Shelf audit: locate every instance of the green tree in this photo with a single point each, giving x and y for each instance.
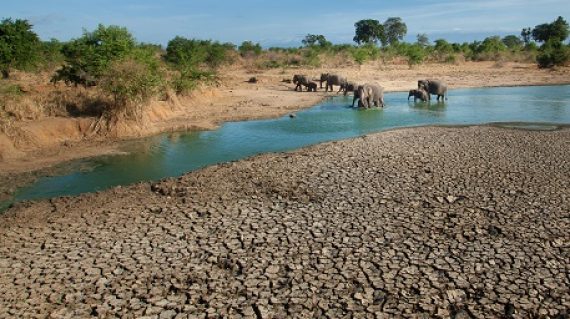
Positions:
(92, 53)
(557, 31)
(512, 42)
(442, 46)
(422, 40)
(416, 54)
(318, 40)
(492, 45)
(369, 32)
(526, 35)
(394, 30)
(19, 46)
(553, 53)
(248, 49)
(191, 53)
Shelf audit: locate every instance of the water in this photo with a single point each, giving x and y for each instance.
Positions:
(174, 154)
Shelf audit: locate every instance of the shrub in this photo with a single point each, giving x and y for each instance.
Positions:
(89, 56)
(131, 83)
(416, 54)
(553, 53)
(192, 53)
(249, 49)
(19, 46)
(187, 80)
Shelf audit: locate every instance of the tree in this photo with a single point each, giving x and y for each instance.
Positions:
(191, 53)
(92, 53)
(248, 48)
(552, 52)
(422, 40)
(512, 42)
(526, 34)
(19, 46)
(492, 45)
(394, 30)
(442, 46)
(369, 31)
(557, 31)
(319, 40)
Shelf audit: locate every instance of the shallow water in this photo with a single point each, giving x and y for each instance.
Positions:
(173, 154)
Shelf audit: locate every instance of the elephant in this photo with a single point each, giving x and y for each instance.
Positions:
(418, 94)
(312, 86)
(300, 81)
(369, 94)
(332, 79)
(348, 86)
(433, 87)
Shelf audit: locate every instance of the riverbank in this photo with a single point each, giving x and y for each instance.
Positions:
(439, 222)
(33, 148)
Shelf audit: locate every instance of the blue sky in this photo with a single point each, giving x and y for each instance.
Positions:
(284, 22)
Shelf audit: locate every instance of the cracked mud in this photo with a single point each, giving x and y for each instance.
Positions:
(425, 222)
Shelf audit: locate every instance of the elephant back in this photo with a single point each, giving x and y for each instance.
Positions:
(301, 79)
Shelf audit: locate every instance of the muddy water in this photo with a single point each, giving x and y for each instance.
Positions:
(540, 107)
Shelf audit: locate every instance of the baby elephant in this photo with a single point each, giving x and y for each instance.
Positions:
(418, 94)
(312, 86)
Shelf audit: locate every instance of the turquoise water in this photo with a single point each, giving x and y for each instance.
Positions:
(174, 154)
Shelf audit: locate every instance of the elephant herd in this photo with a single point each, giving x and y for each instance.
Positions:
(370, 93)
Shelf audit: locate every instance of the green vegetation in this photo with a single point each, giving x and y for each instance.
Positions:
(19, 46)
(553, 51)
(128, 74)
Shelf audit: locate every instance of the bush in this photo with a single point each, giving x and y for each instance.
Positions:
(89, 56)
(249, 49)
(19, 46)
(553, 53)
(188, 80)
(192, 53)
(416, 54)
(131, 82)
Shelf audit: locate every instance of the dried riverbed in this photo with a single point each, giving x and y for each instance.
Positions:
(433, 222)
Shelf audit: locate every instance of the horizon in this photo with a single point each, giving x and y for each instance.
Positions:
(283, 24)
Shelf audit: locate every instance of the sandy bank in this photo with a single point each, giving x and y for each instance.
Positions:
(436, 222)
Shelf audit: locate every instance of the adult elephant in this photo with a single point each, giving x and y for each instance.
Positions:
(436, 87)
(369, 94)
(300, 80)
(332, 79)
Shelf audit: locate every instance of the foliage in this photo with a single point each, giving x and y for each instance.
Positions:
(394, 31)
(18, 46)
(365, 53)
(51, 54)
(311, 57)
(131, 81)
(553, 53)
(422, 40)
(513, 42)
(314, 40)
(526, 34)
(369, 32)
(191, 53)
(89, 56)
(416, 54)
(556, 31)
(249, 49)
(188, 80)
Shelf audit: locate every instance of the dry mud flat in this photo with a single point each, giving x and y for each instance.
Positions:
(423, 223)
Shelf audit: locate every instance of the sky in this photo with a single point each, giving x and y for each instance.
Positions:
(283, 22)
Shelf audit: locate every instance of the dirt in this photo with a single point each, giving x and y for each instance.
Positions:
(34, 144)
(427, 222)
